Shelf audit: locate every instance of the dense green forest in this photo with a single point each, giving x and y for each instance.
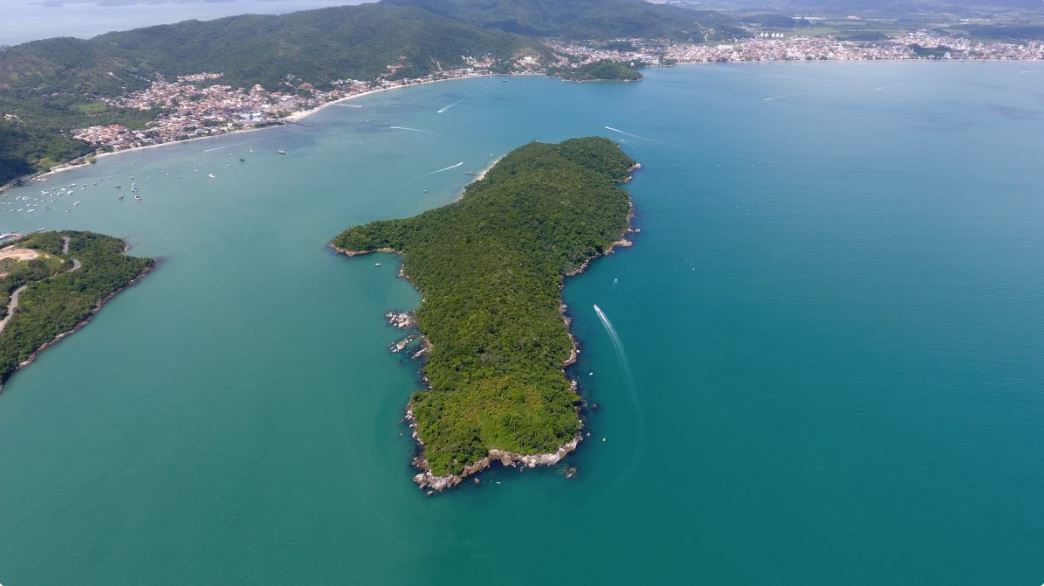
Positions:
(490, 267)
(58, 295)
(604, 70)
(318, 46)
(587, 19)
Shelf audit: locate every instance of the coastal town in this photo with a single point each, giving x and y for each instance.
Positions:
(778, 47)
(196, 106)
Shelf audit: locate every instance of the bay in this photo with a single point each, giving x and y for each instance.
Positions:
(832, 336)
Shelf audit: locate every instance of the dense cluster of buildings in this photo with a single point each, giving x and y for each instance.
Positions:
(198, 105)
(918, 45)
(195, 106)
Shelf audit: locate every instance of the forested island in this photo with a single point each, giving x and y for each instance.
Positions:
(603, 70)
(51, 283)
(490, 268)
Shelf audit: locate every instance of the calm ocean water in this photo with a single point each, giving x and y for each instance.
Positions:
(833, 321)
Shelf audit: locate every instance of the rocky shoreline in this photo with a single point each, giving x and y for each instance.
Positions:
(425, 479)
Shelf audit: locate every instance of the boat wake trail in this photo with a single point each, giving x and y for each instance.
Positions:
(444, 169)
(445, 109)
(618, 131)
(349, 105)
(783, 97)
(625, 365)
(227, 146)
(410, 129)
(614, 337)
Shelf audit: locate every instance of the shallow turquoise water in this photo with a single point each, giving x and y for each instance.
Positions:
(832, 320)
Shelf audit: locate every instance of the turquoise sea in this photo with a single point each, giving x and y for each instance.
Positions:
(831, 367)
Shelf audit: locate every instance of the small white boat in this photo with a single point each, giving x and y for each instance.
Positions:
(211, 175)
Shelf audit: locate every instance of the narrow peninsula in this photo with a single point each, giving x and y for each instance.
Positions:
(51, 283)
(490, 268)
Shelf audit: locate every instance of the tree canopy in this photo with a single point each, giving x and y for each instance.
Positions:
(490, 268)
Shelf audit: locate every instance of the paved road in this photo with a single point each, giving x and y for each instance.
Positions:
(11, 307)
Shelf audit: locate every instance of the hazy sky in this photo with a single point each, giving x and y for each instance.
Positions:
(27, 20)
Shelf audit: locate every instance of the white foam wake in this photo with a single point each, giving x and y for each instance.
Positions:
(638, 136)
(445, 109)
(783, 97)
(444, 169)
(227, 146)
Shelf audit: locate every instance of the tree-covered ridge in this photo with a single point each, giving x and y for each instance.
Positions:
(317, 46)
(49, 87)
(75, 272)
(603, 70)
(587, 19)
(490, 267)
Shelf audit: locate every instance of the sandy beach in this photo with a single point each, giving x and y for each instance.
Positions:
(292, 118)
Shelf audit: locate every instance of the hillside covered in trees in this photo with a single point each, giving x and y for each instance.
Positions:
(71, 274)
(49, 87)
(587, 19)
(490, 268)
(603, 70)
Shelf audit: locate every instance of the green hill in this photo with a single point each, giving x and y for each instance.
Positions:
(52, 86)
(72, 276)
(586, 19)
(490, 269)
(603, 70)
(315, 45)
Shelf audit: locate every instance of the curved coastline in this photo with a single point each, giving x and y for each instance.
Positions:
(425, 479)
(86, 320)
(294, 118)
